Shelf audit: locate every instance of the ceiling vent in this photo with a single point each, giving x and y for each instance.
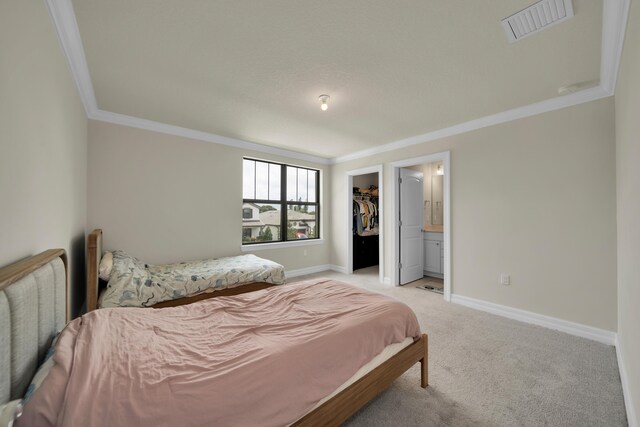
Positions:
(535, 18)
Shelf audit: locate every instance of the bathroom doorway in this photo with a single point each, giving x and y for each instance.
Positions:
(432, 208)
(432, 216)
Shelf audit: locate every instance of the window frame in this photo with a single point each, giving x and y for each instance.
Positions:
(284, 203)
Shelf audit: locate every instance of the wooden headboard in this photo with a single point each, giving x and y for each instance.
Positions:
(33, 307)
(94, 255)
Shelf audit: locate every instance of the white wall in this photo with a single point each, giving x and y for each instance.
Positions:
(534, 198)
(628, 189)
(165, 198)
(43, 143)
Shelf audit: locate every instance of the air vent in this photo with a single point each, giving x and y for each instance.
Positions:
(535, 18)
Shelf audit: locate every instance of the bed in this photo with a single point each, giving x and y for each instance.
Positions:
(271, 275)
(33, 308)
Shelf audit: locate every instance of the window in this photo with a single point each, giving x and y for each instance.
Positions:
(282, 201)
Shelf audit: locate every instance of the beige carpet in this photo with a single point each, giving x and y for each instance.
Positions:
(487, 370)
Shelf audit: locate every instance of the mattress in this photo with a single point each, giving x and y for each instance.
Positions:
(386, 354)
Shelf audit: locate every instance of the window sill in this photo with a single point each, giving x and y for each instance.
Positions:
(280, 245)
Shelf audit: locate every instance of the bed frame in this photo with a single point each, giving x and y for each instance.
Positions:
(37, 269)
(94, 255)
(33, 307)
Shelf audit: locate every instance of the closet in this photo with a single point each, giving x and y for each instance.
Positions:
(365, 229)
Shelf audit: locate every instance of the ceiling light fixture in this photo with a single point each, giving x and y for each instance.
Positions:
(323, 102)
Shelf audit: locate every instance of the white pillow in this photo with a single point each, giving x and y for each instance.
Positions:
(9, 412)
(106, 264)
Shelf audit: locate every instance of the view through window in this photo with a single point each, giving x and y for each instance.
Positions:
(280, 202)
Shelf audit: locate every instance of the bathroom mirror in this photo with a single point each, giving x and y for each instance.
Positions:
(437, 208)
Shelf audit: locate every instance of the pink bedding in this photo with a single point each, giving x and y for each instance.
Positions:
(258, 359)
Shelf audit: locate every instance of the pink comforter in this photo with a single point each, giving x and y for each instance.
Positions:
(259, 359)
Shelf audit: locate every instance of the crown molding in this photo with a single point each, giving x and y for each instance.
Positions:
(506, 116)
(614, 20)
(66, 26)
(136, 122)
(614, 24)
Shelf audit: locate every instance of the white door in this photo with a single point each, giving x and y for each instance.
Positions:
(411, 241)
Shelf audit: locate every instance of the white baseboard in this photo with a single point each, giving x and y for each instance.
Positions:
(431, 274)
(584, 331)
(338, 268)
(308, 270)
(386, 281)
(626, 390)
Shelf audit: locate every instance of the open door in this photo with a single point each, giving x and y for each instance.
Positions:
(410, 226)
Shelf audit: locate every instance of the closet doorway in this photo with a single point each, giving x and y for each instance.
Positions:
(426, 207)
(365, 242)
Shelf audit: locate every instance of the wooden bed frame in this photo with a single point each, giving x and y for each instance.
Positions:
(94, 255)
(335, 410)
(16, 271)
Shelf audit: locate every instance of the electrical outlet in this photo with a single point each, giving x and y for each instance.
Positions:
(505, 279)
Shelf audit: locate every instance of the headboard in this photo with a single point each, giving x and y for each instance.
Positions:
(94, 255)
(33, 307)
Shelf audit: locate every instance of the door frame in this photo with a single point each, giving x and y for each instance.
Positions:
(394, 234)
(379, 169)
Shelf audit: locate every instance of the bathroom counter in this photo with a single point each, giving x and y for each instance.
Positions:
(433, 228)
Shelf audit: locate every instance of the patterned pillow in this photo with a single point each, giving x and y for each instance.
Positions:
(9, 412)
(41, 373)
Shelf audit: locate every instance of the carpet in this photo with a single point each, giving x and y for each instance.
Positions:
(487, 370)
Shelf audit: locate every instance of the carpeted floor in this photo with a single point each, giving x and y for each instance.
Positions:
(487, 370)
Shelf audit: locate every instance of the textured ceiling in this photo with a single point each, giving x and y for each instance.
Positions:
(253, 69)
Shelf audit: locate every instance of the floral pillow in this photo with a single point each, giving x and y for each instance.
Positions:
(10, 411)
(41, 373)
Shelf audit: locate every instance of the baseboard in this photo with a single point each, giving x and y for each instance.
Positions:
(338, 268)
(626, 390)
(308, 270)
(430, 274)
(386, 281)
(584, 331)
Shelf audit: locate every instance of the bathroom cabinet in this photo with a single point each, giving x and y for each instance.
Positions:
(433, 254)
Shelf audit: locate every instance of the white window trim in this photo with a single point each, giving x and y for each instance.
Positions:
(280, 245)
